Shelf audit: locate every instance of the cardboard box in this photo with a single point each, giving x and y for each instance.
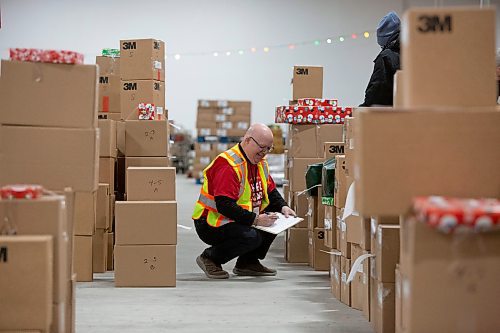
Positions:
(318, 251)
(298, 167)
(311, 213)
(401, 154)
(332, 149)
(145, 265)
(107, 133)
(374, 222)
(142, 59)
(448, 271)
(307, 141)
(70, 321)
(345, 288)
(344, 245)
(99, 251)
(51, 95)
(85, 213)
(108, 65)
(111, 245)
(386, 252)
(47, 215)
(103, 207)
(382, 303)
(433, 47)
(320, 211)
(145, 138)
(297, 245)
(360, 286)
(398, 299)
(146, 162)
(349, 147)
(134, 92)
(150, 183)
(335, 275)
(301, 208)
(26, 302)
(82, 258)
(55, 158)
(330, 222)
(340, 189)
(108, 97)
(107, 171)
(358, 231)
(146, 223)
(125, 162)
(398, 94)
(307, 82)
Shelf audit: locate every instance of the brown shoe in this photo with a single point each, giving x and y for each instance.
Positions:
(256, 269)
(211, 269)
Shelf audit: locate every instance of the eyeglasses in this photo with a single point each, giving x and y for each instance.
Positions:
(263, 148)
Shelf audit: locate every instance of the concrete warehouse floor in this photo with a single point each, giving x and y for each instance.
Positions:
(298, 299)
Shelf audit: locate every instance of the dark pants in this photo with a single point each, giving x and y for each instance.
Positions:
(234, 240)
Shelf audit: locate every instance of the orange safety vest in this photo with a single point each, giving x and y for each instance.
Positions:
(235, 158)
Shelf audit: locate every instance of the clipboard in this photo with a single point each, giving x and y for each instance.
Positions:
(281, 224)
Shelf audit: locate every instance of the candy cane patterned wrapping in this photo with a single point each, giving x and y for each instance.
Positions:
(300, 114)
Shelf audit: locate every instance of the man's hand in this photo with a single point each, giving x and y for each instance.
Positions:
(287, 211)
(266, 220)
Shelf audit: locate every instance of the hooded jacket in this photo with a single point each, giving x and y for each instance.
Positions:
(380, 87)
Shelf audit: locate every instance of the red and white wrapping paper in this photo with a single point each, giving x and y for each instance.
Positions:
(454, 214)
(21, 191)
(318, 102)
(300, 114)
(48, 56)
(146, 111)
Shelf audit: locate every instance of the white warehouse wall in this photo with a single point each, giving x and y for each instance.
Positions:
(191, 26)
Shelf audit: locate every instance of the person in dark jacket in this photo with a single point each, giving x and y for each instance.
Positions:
(380, 87)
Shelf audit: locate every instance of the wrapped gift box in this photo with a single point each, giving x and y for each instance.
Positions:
(300, 114)
(50, 56)
(450, 214)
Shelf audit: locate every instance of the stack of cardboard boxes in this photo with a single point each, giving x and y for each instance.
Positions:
(305, 145)
(146, 229)
(427, 145)
(144, 251)
(141, 143)
(220, 124)
(104, 236)
(52, 140)
(109, 87)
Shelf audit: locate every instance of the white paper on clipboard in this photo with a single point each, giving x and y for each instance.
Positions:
(281, 224)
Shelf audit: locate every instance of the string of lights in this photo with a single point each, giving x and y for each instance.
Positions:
(266, 49)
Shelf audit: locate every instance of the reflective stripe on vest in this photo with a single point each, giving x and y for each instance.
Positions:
(237, 161)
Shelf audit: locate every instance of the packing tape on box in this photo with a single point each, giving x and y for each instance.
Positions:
(356, 265)
(307, 189)
(382, 293)
(336, 275)
(328, 223)
(334, 252)
(373, 225)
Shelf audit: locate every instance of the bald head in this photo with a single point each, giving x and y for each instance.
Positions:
(259, 131)
(257, 142)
